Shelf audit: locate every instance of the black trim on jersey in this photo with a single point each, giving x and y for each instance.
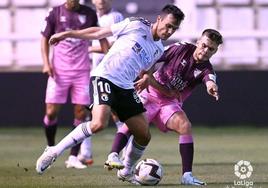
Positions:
(141, 19)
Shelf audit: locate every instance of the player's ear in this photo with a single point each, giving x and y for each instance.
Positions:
(197, 42)
(158, 18)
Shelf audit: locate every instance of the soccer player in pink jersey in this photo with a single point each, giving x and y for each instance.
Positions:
(185, 66)
(138, 46)
(68, 70)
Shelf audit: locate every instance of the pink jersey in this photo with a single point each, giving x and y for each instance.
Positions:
(181, 72)
(70, 55)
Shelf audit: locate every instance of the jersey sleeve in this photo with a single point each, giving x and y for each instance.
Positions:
(120, 27)
(118, 17)
(209, 74)
(49, 24)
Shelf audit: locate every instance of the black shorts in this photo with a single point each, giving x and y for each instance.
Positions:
(125, 102)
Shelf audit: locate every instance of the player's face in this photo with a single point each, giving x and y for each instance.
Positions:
(72, 4)
(205, 49)
(103, 5)
(166, 26)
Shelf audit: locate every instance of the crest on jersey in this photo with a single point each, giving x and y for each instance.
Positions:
(197, 72)
(104, 97)
(183, 63)
(82, 19)
(62, 19)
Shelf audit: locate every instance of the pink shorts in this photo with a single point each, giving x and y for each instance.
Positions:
(159, 108)
(59, 87)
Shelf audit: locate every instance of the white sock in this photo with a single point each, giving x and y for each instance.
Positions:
(133, 154)
(86, 148)
(81, 132)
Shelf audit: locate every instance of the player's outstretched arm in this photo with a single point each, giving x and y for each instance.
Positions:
(212, 89)
(91, 33)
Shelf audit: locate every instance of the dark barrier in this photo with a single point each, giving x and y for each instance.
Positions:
(244, 99)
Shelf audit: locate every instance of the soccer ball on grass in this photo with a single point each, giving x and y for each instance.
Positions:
(148, 172)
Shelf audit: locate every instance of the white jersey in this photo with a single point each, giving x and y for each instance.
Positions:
(134, 50)
(104, 21)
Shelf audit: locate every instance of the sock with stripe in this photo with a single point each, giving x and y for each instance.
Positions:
(81, 132)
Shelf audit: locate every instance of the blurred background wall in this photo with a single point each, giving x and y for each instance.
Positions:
(241, 62)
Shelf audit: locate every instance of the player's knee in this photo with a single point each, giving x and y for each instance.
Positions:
(51, 114)
(185, 128)
(96, 126)
(80, 113)
(143, 138)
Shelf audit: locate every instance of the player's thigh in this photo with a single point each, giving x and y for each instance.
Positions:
(179, 123)
(80, 88)
(57, 89)
(101, 95)
(139, 127)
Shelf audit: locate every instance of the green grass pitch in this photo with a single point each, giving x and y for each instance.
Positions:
(217, 150)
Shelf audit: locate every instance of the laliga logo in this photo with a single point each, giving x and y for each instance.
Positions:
(243, 169)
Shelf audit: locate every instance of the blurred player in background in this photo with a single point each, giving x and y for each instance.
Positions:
(137, 48)
(106, 17)
(69, 69)
(185, 66)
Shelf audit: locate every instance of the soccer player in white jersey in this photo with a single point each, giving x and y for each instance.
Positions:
(137, 48)
(106, 17)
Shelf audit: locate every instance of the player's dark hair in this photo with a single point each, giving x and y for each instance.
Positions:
(213, 35)
(175, 11)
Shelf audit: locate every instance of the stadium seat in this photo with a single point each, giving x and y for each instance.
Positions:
(239, 51)
(4, 3)
(262, 2)
(264, 50)
(204, 2)
(6, 54)
(28, 22)
(236, 15)
(28, 53)
(31, 3)
(232, 2)
(206, 18)
(5, 20)
(263, 26)
(262, 18)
